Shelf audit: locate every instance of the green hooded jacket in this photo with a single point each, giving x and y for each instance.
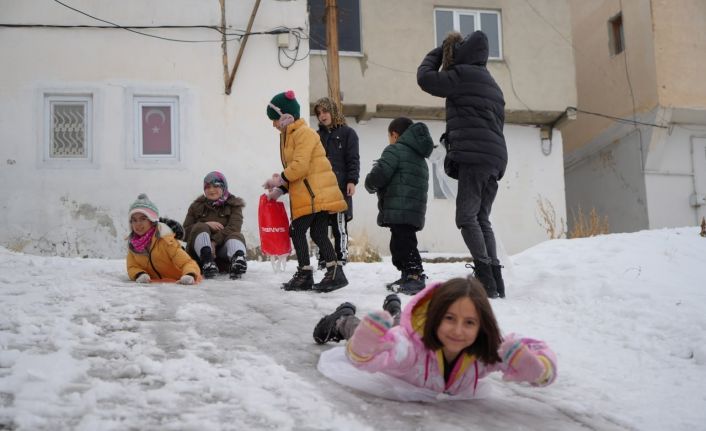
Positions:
(401, 178)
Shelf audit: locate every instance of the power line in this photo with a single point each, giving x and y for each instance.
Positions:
(618, 119)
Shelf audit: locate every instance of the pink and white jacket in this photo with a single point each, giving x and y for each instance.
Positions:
(403, 355)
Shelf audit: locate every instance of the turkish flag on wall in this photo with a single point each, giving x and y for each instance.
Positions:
(156, 130)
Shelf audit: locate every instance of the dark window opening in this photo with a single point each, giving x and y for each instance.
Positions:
(348, 25)
(617, 38)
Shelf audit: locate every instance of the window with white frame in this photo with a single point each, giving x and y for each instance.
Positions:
(466, 21)
(67, 128)
(156, 128)
(348, 14)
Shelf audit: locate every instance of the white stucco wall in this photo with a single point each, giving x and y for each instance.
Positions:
(611, 181)
(82, 210)
(672, 181)
(530, 174)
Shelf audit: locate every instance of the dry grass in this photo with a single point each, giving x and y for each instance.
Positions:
(547, 219)
(360, 250)
(588, 225)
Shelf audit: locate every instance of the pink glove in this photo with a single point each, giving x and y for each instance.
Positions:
(273, 182)
(274, 194)
(369, 337)
(528, 360)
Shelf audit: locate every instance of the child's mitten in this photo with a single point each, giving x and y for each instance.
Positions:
(186, 279)
(369, 337)
(273, 182)
(529, 361)
(143, 278)
(275, 194)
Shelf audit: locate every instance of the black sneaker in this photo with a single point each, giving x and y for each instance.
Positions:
(392, 305)
(326, 330)
(413, 284)
(209, 269)
(303, 279)
(238, 265)
(334, 279)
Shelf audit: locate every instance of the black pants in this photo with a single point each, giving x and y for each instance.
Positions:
(403, 248)
(476, 194)
(339, 229)
(318, 222)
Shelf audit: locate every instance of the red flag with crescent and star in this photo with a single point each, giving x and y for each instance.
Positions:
(156, 130)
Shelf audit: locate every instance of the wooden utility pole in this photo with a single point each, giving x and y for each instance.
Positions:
(243, 42)
(334, 85)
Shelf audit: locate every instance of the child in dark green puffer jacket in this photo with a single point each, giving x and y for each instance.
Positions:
(401, 180)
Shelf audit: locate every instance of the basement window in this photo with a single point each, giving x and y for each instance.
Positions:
(616, 35)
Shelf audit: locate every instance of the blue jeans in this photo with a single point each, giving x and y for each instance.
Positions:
(476, 193)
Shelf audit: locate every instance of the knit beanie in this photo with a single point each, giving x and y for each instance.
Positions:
(286, 103)
(144, 205)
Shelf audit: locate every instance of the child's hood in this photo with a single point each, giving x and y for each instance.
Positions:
(414, 315)
(473, 50)
(418, 138)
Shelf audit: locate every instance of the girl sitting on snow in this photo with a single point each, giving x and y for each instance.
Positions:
(153, 252)
(448, 339)
(213, 228)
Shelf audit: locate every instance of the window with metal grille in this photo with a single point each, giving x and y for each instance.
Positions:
(67, 127)
(466, 21)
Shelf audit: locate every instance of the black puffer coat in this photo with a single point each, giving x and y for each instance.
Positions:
(401, 178)
(475, 107)
(341, 145)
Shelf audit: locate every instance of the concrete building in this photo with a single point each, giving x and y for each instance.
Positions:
(81, 99)
(91, 117)
(637, 151)
(381, 45)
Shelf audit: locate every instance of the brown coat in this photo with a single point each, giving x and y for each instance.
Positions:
(230, 215)
(163, 259)
(311, 183)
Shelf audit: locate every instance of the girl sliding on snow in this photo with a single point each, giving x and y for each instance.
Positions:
(153, 252)
(447, 340)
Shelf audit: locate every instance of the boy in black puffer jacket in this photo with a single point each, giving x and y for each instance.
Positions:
(475, 144)
(401, 180)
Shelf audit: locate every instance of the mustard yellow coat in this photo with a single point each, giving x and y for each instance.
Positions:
(163, 259)
(311, 183)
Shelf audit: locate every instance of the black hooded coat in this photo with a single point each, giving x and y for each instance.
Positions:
(475, 107)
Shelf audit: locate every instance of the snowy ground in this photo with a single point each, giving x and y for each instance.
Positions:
(83, 348)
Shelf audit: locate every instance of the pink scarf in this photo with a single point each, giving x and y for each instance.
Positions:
(139, 243)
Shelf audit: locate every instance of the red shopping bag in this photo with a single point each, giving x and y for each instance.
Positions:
(274, 228)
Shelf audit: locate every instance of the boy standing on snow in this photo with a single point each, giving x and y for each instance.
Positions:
(475, 144)
(341, 145)
(401, 180)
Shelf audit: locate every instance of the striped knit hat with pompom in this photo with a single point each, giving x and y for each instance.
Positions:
(144, 205)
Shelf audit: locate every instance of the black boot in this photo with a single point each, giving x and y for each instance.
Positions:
(209, 269)
(413, 283)
(484, 274)
(392, 305)
(326, 329)
(395, 285)
(499, 282)
(334, 279)
(238, 265)
(303, 279)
